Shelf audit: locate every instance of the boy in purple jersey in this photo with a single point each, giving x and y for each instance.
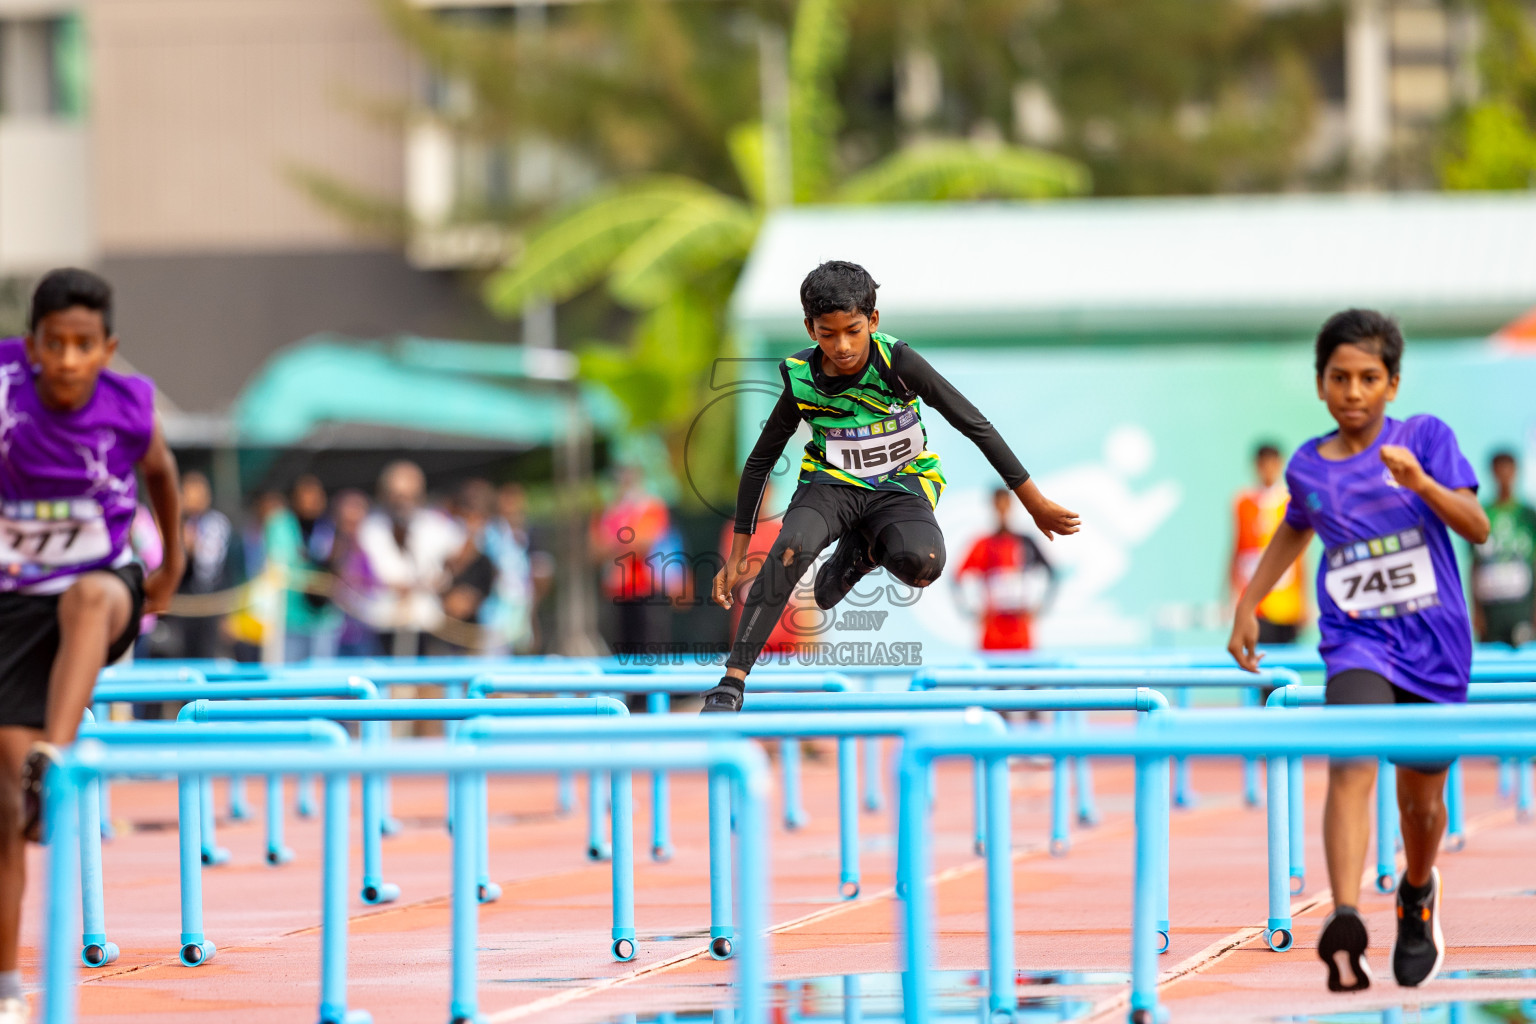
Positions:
(72, 434)
(1380, 494)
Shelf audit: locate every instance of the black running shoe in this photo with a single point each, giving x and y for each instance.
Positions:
(726, 697)
(849, 563)
(1342, 947)
(33, 771)
(1420, 946)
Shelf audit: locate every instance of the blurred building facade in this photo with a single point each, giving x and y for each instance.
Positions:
(164, 142)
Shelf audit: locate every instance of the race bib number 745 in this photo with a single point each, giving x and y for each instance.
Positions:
(1383, 577)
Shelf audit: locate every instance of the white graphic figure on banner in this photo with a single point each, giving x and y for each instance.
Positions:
(1118, 516)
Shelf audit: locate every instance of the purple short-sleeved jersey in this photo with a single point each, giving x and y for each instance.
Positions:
(1388, 589)
(67, 486)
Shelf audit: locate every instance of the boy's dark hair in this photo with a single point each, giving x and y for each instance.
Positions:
(1503, 455)
(837, 286)
(1375, 332)
(1266, 451)
(66, 288)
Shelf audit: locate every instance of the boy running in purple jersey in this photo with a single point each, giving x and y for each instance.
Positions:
(72, 433)
(1380, 493)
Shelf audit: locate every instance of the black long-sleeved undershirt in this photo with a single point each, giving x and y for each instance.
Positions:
(916, 373)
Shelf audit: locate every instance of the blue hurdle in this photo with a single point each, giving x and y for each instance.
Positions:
(740, 764)
(1398, 732)
(661, 685)
(844, 726)
(377, 712)
(1179, 679)
(1386, 799)
(190, 686)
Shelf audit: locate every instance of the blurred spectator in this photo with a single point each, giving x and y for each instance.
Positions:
(408, 547)
(1256, 513)
(624, 536)
(206, 533)
(1503, 596)
(355, 583)
(785, 634)
(1006, 579)
(508, 614)
(471, 573)
(286, 535)
(244, 626)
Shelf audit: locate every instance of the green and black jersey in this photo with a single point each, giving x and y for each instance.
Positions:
(866, 428)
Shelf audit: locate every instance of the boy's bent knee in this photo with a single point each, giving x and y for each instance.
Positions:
(913, 552)
(93, 593)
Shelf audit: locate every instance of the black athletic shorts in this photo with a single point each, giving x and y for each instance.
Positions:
(29, 641)
(844, 507)
(1362, 686)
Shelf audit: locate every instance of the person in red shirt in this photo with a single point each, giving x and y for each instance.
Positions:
(1006, 576)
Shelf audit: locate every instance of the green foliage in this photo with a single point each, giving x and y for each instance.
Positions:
(964, 170)
(817, 48)
(1492, 144)
(1496, 150)
(1180, 96)
(578, 247)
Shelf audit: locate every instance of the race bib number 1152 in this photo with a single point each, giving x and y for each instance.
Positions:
(1382, 578)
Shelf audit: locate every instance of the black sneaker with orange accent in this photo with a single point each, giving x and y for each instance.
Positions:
(1419, 949)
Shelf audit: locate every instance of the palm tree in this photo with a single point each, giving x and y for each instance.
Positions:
(668, 247)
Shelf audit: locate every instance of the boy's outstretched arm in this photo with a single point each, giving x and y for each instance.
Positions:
(919, 375)
(1283, 549)
(159, 468)
(780, 426)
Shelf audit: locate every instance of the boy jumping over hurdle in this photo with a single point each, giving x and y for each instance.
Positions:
(867, 478)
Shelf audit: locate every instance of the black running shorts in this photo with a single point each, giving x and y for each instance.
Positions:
(1362, 686)
(29, 641)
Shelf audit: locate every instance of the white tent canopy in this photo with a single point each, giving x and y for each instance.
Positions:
(1447, 264)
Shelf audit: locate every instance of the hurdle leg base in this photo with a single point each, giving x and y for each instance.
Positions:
(1386, 883)
(1455, 843)
(720, 947)
(1298, 884)
(195, 954)
(347, 1017)
(487, 892)
(96, 951)
(623, 947)
(375, 893)
(216, 856)
(1279, 935)
(278, 857)
(661, 854)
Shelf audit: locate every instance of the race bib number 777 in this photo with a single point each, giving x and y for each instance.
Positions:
(1382, 578)
(53, 534)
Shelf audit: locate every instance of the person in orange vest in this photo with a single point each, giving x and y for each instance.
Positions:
(1006, 578)
(1257, 512)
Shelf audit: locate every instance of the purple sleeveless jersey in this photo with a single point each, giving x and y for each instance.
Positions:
(1388, 588)
(67, 486)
